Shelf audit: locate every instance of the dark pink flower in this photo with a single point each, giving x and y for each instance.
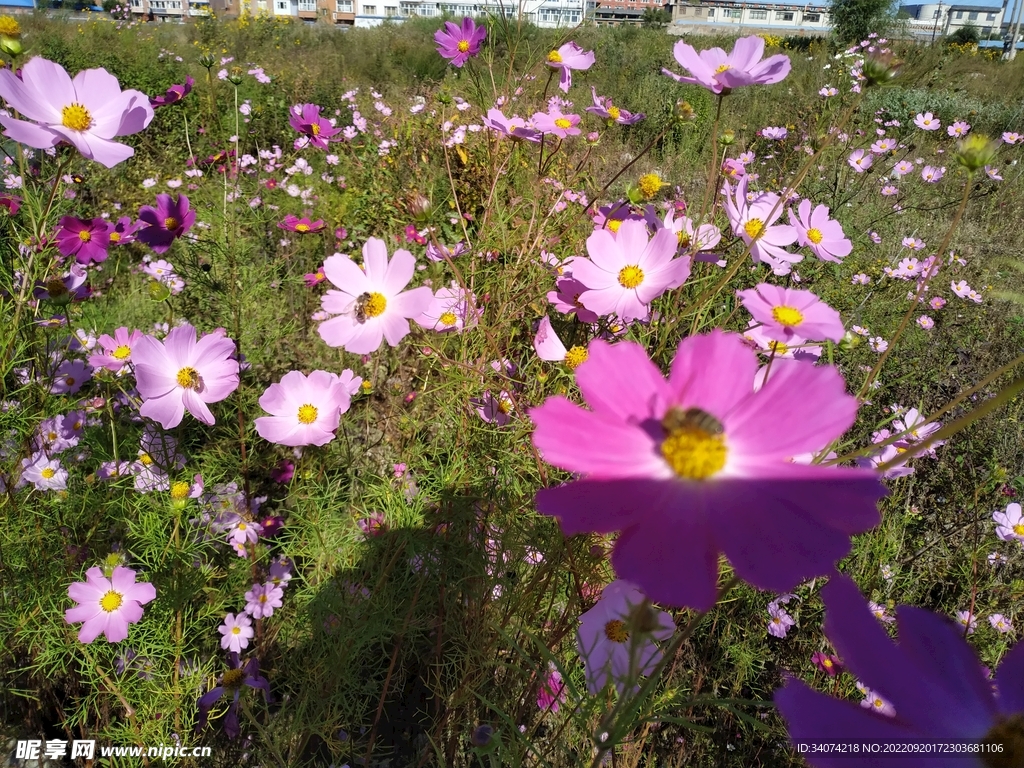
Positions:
(603, 107)
(303, 226)
(458, 43)
(174, 94)
(11, 202)
(305, 118)
(122, 231)
(85, 239)
(720, 72)
(166, 223)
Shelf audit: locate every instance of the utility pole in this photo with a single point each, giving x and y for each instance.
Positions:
(935, 28)
(1015, 30)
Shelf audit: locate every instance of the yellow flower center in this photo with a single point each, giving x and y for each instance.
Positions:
(233, 678)
(170, 223)
(694, 445)
(827, 664)
(576, 357)
(179, 490)
(315, 129)
(145, 459)
(722, 68)
(613, 224)
(111, 601)
(563, 123)
(9, 27)
(302, 227)
(504, 405)
(463, 46)
(188, 378)
(631, 276)
(236, 630)
(263, 598)
(778, 347)
(754, 228)
(70, 381)
(650, 184)
(683, 238)
(614, 113)
(121, 353)
(616, 631)
(814, 235)
(85, 235)
(307, 414)
(555, 57)
(787, 316)
(448, 319)
(115, 237)
(375, 305)
(48, 473)
(76, 117)
(1019, 529)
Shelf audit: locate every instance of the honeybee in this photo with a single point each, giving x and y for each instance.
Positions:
(692, 418)
(359, 309)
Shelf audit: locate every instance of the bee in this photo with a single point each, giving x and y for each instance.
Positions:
(360, 307)
(77, 178)
(691, 418)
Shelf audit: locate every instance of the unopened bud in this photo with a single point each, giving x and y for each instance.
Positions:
(880, 70)
(419, 206)
(849, 341)
(976, 151)
(728, 137)
(684, 112)
(206, 60)
(159, 291)
(10, 46)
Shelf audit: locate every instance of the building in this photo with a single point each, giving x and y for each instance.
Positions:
(741, 18)
(622, 11)
(933, 20)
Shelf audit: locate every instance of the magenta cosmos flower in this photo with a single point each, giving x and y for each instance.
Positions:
(787, 314)
(815, 230)
(458, 43)
(754, 223)
(85, 239)
(305, 118)
(720, 72)
(303, 226)
(603, 107)
(700, 464)
(180, 373)
(555, 122)
(106, 606)
(89, 111)
(513, 127)
(938, 690)
(609, 645)
(370, 303)
(626, 271)
(174, 94)
(567, 58)
(305, 410)
(165, 223)
(116, 350)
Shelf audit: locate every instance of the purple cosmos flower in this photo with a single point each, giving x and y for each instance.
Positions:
(305, 118)
(262, 599)
(122, 231)
(303, 226)
(815, 230)
(613, 647)
(180, 373)
(699, 464)
(566, 299)
(107, 605)
(174, 94)
(603, 107)
(567, 58)
(231, 683)
(117, 350)
(458, 43)
(779, 621)
(166, 223)
(513, 127)
(439, 252)
(774, 134)
(236, 632)
(85, 239)
(754, 222)
(69, 377)
(60, 290)
(720, 72)
(45, 473)
(937, 688)
(931, 174)
(304, 410)
(89, 111)
(827, 663)
(1000, 623)
(860, 160)
(787, 313)
(927, 122)
(555, 122)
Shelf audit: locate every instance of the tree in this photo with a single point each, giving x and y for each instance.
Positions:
(853, 20)
(656, 17)
(968, 34)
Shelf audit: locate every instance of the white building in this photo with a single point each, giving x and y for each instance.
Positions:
(784, 18)
(543, 13)
(938, 19)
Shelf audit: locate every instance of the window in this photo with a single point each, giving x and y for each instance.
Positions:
(935, 14)
(344, 6)
(783, 15)
(959, 14)
(711, 12)
(972, 16)
(812, 18)
(282, 6)
(990, 17)
(732, 13)
(390, 10)
(759, 14)
(370, 10)
(309, 6)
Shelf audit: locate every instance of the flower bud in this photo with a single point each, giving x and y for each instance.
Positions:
(11, 46)
(684, 112)
(419, 206)
(976, 151)
(159, 291)
(727, 137)
(849, 341)
(207, 60)
(880, 69)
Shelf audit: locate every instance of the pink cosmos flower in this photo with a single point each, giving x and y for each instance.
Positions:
(567, 58)
(626, 271)
(166, 223)
(961, 289)
(691, 239)
(927, 122)
(87, 240)
(566, 299)
(609, 645)
(903, 167)
(779, 621)
(262, 599)
(827, 663)
(117, 350)
(315, 278)
(1010, 523)
(303, 226)
(926, 322)
(107, 605)
(459, 43)
(720, 72)
(967, 621)
(860, 160)
(815, 230)
(1012, 138)
(180, 373)
(932, 174)
(316, 130)
(603, 107)
(122, 231)
(1000, 623)
(174, 94)
(754, 222)
(305, 410)
(549, 347)
(236, 632)
(773, 133)
(370, 304)
(452, 309)
(555, 122)
(699, 464)
(10, 204)
(959, 129)
(89, 111)
(513, 127)
(494, 410)
(45, 473)
(552, 690)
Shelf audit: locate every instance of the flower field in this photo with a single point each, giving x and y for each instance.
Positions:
(466, 394)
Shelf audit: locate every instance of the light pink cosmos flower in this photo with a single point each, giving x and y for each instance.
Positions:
(371, 304)
(494, 410)
(795, 347)
(180, 373)
(961, 289)
(452, 309)
(967, 621)
(926, 322)
(117, 350)
(1000, 623)
(873, 700)
(720, 72)
(932, 174)
(691, 239)
(754, 222)
(262, 599)
(89, 111)
(927, 122)
(860, 160)
(555, 122)
(549, 347)
(902, 168)
(1010, 523)
(815, 230)
(45, 473)
(513, 127)
(626, 271)
(609, 645)
(305, 410)
(236, 632)
(106, 606)
(567, 58)
(959, 129)
(699, 464)
(1012, 138)
(788, 313)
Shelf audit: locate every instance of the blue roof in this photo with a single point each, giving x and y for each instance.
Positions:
(17, 3)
